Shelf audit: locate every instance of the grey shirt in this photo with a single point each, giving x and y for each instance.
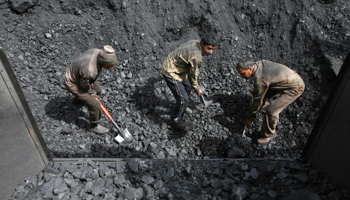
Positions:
(83, 72)
(269, 75)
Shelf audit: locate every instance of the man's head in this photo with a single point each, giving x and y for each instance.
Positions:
(107, 57)
(245, 67)
(208, 43)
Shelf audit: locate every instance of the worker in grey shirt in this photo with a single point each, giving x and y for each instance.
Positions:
(80, 80)
(269, 79)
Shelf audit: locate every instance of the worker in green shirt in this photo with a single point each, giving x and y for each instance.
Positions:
(180, 71)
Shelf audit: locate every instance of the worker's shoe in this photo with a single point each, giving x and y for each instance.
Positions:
(189, 110)
(266, 140)
(99, 129)
(180, 124)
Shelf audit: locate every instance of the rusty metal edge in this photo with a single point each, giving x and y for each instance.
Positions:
(23, 107)
(84, 160)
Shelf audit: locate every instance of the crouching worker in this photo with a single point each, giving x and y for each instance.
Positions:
(80, 80)
(270, 79)
(180, 71)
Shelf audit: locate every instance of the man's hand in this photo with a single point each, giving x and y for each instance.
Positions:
(200, 92)
(92, 92)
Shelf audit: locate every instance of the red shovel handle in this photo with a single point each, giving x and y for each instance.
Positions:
(105, 110)
(108, 115)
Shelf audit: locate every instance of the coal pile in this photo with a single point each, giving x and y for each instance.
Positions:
(42, 38)
(179, 179)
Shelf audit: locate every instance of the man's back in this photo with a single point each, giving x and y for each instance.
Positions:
(276, 76)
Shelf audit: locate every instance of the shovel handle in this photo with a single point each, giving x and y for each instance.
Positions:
(108, 115)
(104, 110)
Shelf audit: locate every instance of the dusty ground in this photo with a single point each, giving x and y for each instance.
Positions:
(311, 37)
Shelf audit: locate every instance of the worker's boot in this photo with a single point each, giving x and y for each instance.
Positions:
(265, 140)
(97, 128)
(179, 124)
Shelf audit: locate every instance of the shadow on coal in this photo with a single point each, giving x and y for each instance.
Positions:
(152, 100)
(65, 109)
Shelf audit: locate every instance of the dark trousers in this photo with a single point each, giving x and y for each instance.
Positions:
(94, 107)
(181, 92)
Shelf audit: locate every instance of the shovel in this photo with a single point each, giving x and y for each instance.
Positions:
(203, 97)
(205, 102)
(244, 131)
(124, 134)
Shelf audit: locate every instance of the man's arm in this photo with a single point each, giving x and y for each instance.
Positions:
(257, 101)
(84, 84)
(260, 89)
(193, 75)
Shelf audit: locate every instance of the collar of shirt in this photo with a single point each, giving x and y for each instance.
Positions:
(201, 48)
(255, 65)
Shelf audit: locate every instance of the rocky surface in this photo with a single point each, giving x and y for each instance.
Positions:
(41, 42)
(41, 38)
(180, 179)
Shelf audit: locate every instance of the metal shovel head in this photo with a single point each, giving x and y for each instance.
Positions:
(205, 102)
(126, 134)
(244, 131)
(119, 138)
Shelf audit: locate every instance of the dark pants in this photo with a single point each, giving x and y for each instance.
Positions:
(94, 107)
(181, 92)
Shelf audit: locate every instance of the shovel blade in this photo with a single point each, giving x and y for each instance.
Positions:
(205, 102)
(123, 136)
(119, 138)
(126, 134)
(208, 103)
(244, 131)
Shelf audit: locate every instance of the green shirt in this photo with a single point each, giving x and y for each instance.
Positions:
(184, 63)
